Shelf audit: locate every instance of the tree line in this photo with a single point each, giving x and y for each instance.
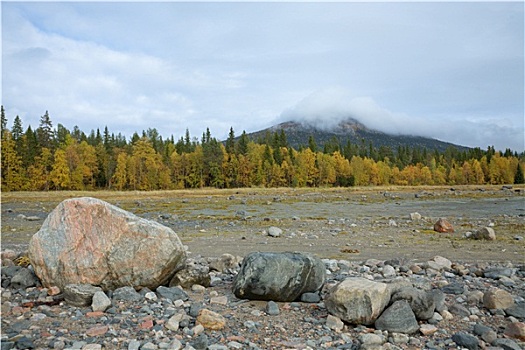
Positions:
(49, 158)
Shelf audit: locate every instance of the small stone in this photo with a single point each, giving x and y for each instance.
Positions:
(466, 340)
(80, 294)
(201, 342)
(310, 298)
(222, 300)
(496, 298)
(272, 308)
(150, 296)
(485, 233)
(127, 294)
(97, 330)
(274, 231)
(92, 347)
(516, 330)
(173, 322)
(211, 320)
(334, 323)
(427, 329)
(134, 345)
(443, 226)
(53, 290)
(100, 302)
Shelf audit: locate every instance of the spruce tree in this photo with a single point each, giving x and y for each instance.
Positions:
(519, 178)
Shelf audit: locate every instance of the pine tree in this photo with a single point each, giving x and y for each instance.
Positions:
(242, 144)
(230, 142)
(519, 178)
(45, 134)
(3, 121)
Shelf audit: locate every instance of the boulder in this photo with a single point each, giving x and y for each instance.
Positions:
(278, 276)
(88, 241)
(226, 263)
(398, 318)
(358, 300)
(443, 226)
(485, 233)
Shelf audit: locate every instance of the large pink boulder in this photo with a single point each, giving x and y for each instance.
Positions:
(88, 241)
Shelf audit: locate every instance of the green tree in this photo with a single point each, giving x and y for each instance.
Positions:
(518, 177)
(45, 133)
(3, 121)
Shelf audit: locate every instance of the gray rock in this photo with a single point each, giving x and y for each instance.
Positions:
(278, 276)
(201, 342)
(498, 272)
(518, 310)
(275, 231)
(80, 294)
(398, 318)
(459, 310)
(172, 293)
(87, 240)
(227, 263)
(100, 302)
(310, 298)
(23, 279)
(126, 294)
(486, 333)
(439, 299)
(454, 288)
(485, 233)
(134, 345)
(190, 275)
(466, 340)
(10, 271)
(421, 302)
(506, 344)
(272, 308)
(357, 300)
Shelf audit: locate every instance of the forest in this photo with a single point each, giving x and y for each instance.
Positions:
(49, 158)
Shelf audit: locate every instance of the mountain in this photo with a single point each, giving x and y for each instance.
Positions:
(298, 134)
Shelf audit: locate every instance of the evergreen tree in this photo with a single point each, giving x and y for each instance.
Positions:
(45, 134)
(311, 144)
(230, 142)
(242, 144)
(3, 121)
(519, 178)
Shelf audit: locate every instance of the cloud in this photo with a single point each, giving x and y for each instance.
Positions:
(326, 108)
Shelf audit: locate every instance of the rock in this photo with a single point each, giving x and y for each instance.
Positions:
(398, 318)
(275, 231)
(227, 263)
(88, 241)
(496, 298)
(466, 340)
(23, 279)
(97, 331)
(200, 342)
(172, 293)
(486, 333)
(126, 294)
(100, 302)
(357, 300)
(486, 233)
(443, 226)
(415, 216)
(334, 323)
(80, 294)
(506, 344)
(442, 262)
(421, 302)
(272, 308)
(278, 276)
(428, 329)
(518, 310)
(211, 320)
(310, 298)
(190, 275)
(498, 272)
(515, 330)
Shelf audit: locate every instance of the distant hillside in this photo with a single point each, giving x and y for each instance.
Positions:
(351, 130)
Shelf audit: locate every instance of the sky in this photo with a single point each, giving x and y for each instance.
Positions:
(453, 71)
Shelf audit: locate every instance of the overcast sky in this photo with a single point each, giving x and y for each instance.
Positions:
(451, 71)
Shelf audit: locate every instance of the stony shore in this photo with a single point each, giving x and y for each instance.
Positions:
(483, 307)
